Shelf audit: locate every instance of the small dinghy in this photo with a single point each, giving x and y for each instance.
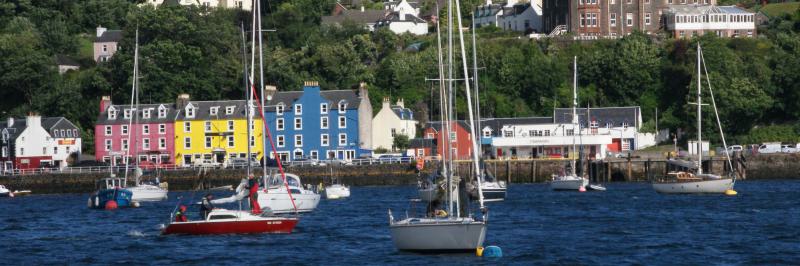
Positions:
(596, 187)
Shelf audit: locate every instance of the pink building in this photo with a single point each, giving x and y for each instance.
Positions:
(106, 44)
(149, 139)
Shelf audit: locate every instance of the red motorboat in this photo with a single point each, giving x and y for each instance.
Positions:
(222, 221)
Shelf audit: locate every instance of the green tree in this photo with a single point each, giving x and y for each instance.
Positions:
(400, 142)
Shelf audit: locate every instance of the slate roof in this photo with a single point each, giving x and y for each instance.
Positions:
(437, 125)
(333, 96)
(203, 110)
(356, 16)
(102, 118)
(487, 10)
(395, 17)
(110, 36)
(613, 115)
(498, 123)
(48, 123)
(706, 9)
(516, 9)
(63, 60)
(403, 113)
(416, 143)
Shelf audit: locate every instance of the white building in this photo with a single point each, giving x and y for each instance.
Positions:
(392, 120)
(241, 4)
(513, 15)
(606, 130)
(30, 143)
(401, 17)
(685, 21)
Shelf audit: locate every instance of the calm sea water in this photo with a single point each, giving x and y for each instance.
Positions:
(628, 224)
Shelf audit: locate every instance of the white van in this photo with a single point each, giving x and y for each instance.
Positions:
(770, 147)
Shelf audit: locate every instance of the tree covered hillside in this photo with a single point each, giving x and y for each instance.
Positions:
(197, 51)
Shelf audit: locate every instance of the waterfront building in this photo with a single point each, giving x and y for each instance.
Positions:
(240, 4)
(319, 125)
(214, 131)
(422, 148)
(35, 142)
(398, 16)
(589, 19)
(122, 133)
(461, 144)
(512, 15)
(392, 120)
(602, 130)
(106, 43)
(723, 21)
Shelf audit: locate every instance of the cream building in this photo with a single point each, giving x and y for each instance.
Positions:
(392, 120)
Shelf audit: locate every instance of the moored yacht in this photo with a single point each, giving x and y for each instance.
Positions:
(283, 197)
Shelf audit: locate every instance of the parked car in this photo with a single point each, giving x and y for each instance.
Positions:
(206, 163)
(735, 148)
(772, 147)
(305, 161)
(786, 148)
(242, 162)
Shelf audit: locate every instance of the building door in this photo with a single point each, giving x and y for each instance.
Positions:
(187, 159)
(350, 154)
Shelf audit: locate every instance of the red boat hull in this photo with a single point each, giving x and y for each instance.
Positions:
(281, 226)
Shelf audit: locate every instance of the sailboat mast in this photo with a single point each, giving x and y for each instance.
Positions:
(574, 107)
(441, 89)
(133, 101)
(449, 103)
(473, 141)
(249, 102)
(261, 74)
(699, 119)
(475, 78)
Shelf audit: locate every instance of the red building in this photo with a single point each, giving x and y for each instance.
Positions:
(461, 142)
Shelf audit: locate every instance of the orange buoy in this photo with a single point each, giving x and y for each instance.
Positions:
(111, 205)
(582, 189)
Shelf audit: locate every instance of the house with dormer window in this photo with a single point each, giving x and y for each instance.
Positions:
(319, 124)
(137, 136)
(36, 142)
(390, 121)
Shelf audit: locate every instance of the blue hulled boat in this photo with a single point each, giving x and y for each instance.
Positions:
(114, 190)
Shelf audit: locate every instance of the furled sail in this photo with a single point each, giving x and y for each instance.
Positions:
(240, 194)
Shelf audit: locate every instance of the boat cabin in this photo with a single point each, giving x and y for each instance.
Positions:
(111, 183)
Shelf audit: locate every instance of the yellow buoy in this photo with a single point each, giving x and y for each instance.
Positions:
(479, 251)
(731, 192)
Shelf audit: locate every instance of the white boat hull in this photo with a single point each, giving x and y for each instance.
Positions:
(438, 235)
(148, 193)
(337, 192)
(569, 183)
(279, 202)
(702, 186)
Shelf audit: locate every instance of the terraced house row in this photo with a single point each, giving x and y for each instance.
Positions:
(310, 123)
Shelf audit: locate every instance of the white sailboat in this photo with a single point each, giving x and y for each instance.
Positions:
(688, 177)
(454, 230)
(570, 180)
(336, 190)
(142, 191)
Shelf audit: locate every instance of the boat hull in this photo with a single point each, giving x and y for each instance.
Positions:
(337, 192)
(492, 191)
(690, 187)
(437, 235)
(279, 201)
(569, 184)
(275, 225)
(98, 200)
(148, 193)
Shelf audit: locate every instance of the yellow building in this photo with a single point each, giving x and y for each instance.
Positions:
(213, 132)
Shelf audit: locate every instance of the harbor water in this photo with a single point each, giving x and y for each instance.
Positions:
(628, 224)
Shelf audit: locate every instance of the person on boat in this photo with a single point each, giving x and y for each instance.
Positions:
(180, 216)
(252, 184)
(206, 206)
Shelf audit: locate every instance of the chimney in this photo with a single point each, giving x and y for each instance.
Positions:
(400, 103)
(182, 101)
(269, 91)
(362, 90)
(386, 103)
(362, 9)
(100, 31)
(310, 84)
(488, 2)
(10, 121)
(105, 102)
(33, 120)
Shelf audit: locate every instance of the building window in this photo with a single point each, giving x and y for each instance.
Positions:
(231, 142)
(126, 113)
(146, 113)
(112, 114)
(298, 123)
(629, 19)
(108, 146)
(146, 144)
(207, 126)
(647, 18)
(547, 132)
(229, 110)
(324, 140)
(187, 126)
(145, 129)
(124, 145)
(298, 109)
(162, 112)
(298, 140)
(570, 132)
(279, 123)
(162, 129)
(252, 141)
(342, 106)
(594, 19)
(583, 20)
(323, 108)
(628, 1)
(394, 132)
(124, 129)
(342, 122)
(187, 143)
(213, 110)
(613, 19)
(209, 140)
(323, 122)
(342, 139)
(55, 150)
(108, 130)
(190, 112)
(162, 143)
(279, 109)
(625, 125)
(669, 1)
(69, 133)
(508, 133)
(281, 141)
(314, 155)
(230, 125)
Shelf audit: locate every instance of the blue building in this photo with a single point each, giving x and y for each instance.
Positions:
(316, 124)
